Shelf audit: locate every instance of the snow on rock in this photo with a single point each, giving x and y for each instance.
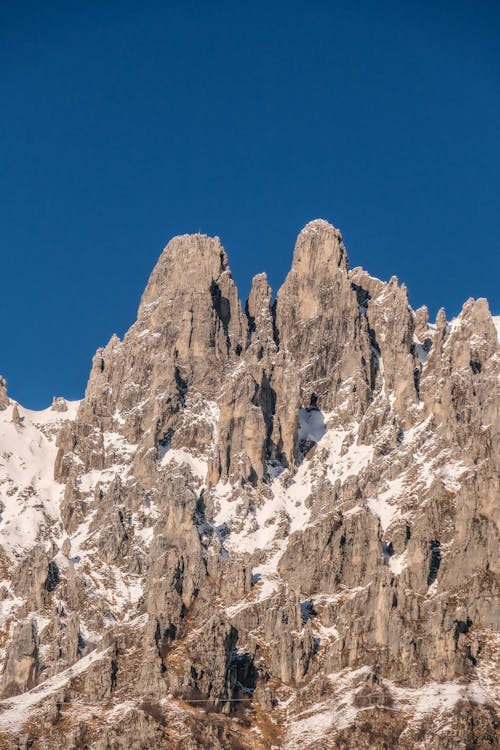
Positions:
(285, 507)
(398, 563)
(450, 473)
(496, 322)
(15, 711)
(178, 456)
(266, 582)
(260, 526)
(288, 493)
(311, 425)
(437, 696)
(382, 506)
(339, 596)
(169, 557)
(341, 711)
(344, 456)
(29, 495)
(312, 724)
(8, 602)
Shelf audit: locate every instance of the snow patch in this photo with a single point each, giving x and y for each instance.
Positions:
(385, 510)
(14, 712)
(179, 456)
(311, 425)
(398, 563)
(29, 495)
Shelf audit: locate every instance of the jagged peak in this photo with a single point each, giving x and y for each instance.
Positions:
(190, 262)
(476, 318)
(359, 271)
(421, 321)
(260, 287)
(441, 319)
(260, 278)
(317, 225)
(319, 249)
(202, 235)
(279, 468)
(479, 305)
(422, 310)
(200, 243)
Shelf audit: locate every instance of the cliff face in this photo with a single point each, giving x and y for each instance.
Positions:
(275, 526)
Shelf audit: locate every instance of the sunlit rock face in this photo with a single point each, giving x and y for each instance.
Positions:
(4, 399)
(266, 525)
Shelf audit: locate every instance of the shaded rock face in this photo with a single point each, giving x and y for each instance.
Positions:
(265, 526)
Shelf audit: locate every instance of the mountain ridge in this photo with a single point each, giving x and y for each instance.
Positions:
(285, 512)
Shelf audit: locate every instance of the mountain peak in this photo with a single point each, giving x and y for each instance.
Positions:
(319, 249)
(258, 528)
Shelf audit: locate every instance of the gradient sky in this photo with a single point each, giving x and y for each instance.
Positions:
(125, 123)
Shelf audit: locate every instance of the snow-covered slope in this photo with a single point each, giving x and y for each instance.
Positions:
(29, 494)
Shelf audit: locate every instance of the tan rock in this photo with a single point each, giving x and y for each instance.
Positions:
(270, 528)
(4, 399)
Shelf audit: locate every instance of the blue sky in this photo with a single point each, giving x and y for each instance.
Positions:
(123, 124)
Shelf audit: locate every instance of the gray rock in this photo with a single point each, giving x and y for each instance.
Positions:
(274, 527)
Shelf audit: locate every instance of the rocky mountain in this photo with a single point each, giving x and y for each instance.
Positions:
(274, 526)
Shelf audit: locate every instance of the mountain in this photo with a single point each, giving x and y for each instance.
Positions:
(265, 527)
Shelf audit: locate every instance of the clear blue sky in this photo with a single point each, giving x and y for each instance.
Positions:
(125, 123)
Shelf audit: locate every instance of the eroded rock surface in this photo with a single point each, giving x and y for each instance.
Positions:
(4, 399)
(265, 526)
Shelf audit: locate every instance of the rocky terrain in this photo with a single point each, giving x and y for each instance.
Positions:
(269, 526)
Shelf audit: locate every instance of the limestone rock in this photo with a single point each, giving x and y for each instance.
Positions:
(16, 417)
(59, 404)
(320, 324)
(4, 399)
(266, 526)
(21, 663)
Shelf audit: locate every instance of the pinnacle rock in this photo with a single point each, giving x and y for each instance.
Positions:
(4, 399)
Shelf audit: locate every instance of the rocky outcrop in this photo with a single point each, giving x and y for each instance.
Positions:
(4, 399)
(16, 417)
(21, 662)
(267, 526)
(319, 322)
(59, 404)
